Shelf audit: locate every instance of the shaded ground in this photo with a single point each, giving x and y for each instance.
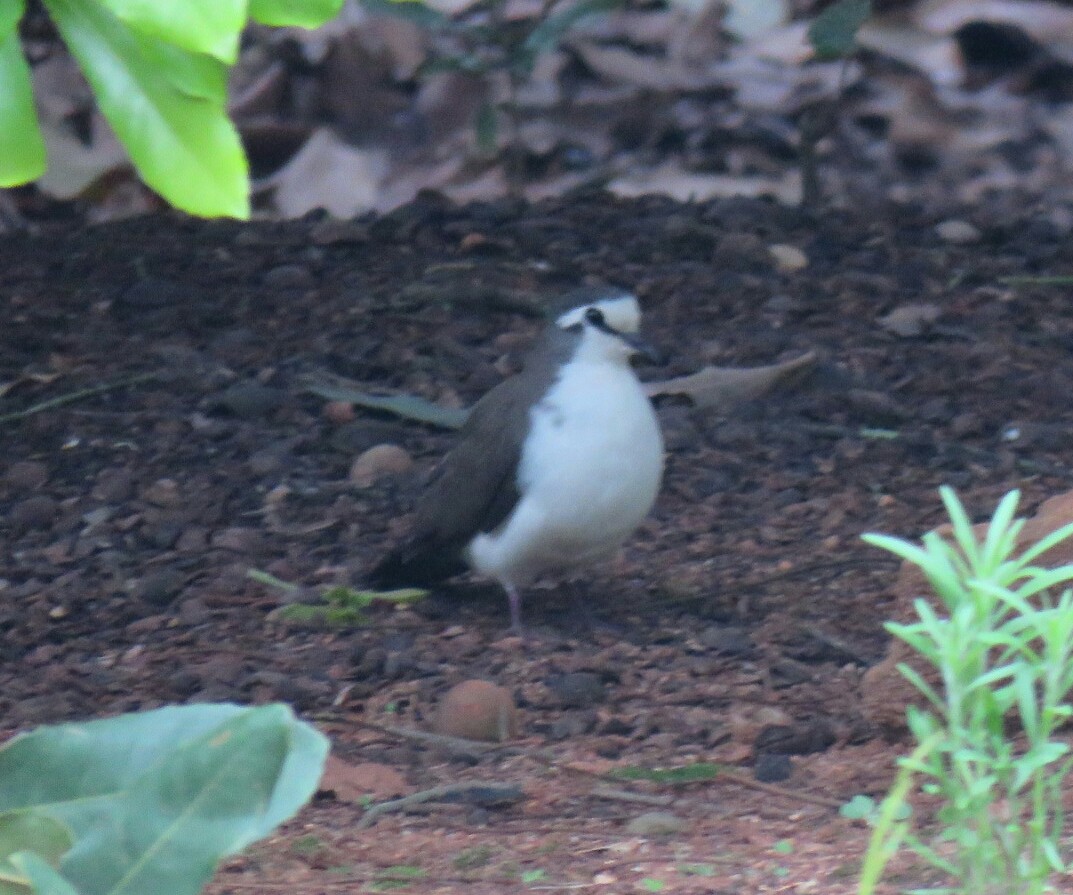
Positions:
(746, 607)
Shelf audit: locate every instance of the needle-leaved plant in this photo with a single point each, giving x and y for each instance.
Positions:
(1000, 636)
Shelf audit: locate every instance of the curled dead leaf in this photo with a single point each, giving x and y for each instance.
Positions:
(722, 387)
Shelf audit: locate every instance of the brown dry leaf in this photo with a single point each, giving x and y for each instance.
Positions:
(447, 102)
(934, 55)
(353, 782)
(73, 164)
(789, 44)
(327, 173)
(620, 66)
(723, 387)
(360, 89)
(746, 19)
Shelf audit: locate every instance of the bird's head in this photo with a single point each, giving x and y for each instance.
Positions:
(608, 321)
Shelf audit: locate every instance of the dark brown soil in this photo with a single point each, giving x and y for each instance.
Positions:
(180, 450)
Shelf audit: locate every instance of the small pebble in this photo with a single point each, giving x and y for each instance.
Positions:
(239, 539)
(656, 823)
(33, 513)
(572, 724)
(26, 475)
(162, 493)
(193, 612)
(957, 232)
(339, 412)
(477, 710)
(114, 485)
(578, 689)
(735, 248)
(289, 276)
(788, 259)
(378, 462)
(250, 400)
(160, 588)
(192, 540)
(270, 459)
(772, 767)
(729, 641)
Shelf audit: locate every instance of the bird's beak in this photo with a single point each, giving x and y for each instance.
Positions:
(643, 349)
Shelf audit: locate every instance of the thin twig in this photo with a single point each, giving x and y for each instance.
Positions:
(625, 795)
(438, 793)
(454, 745)
(72, 397)
(725, 773)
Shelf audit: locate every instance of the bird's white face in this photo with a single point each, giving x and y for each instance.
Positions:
(609, 328)
(621, 312)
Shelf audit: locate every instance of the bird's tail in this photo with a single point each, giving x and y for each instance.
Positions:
(413, 567)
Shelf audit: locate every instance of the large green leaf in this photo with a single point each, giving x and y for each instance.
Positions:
(91, 758)
(200, 26)
(168, 116)
(43, 877)
(22, 148)
(28, 830)
(304, 13)
(155, 800)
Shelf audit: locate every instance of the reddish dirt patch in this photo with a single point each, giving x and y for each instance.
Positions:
(738, 621)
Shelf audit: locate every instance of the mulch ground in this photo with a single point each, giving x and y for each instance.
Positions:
(158, 443)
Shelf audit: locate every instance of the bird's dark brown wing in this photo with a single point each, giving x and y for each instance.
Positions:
(475, 487)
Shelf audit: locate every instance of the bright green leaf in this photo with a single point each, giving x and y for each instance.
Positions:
(303, 13)
(167, 116)
(200, 26)
(28, 830)
(22, 148)
(860, 807)
(43, 877)
(833, 33)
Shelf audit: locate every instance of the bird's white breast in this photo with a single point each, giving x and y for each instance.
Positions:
(589, 473)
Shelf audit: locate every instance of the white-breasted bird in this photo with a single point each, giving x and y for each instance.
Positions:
(554, 468)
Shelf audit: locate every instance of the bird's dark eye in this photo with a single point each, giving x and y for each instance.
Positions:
(595, 316)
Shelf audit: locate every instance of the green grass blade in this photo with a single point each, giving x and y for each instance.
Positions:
(1045, 544)
(961, 525)
(998, 545)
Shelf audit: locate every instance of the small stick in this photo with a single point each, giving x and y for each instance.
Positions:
(437, 793)
(624, 795)
(454, 745)
(72, 397)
